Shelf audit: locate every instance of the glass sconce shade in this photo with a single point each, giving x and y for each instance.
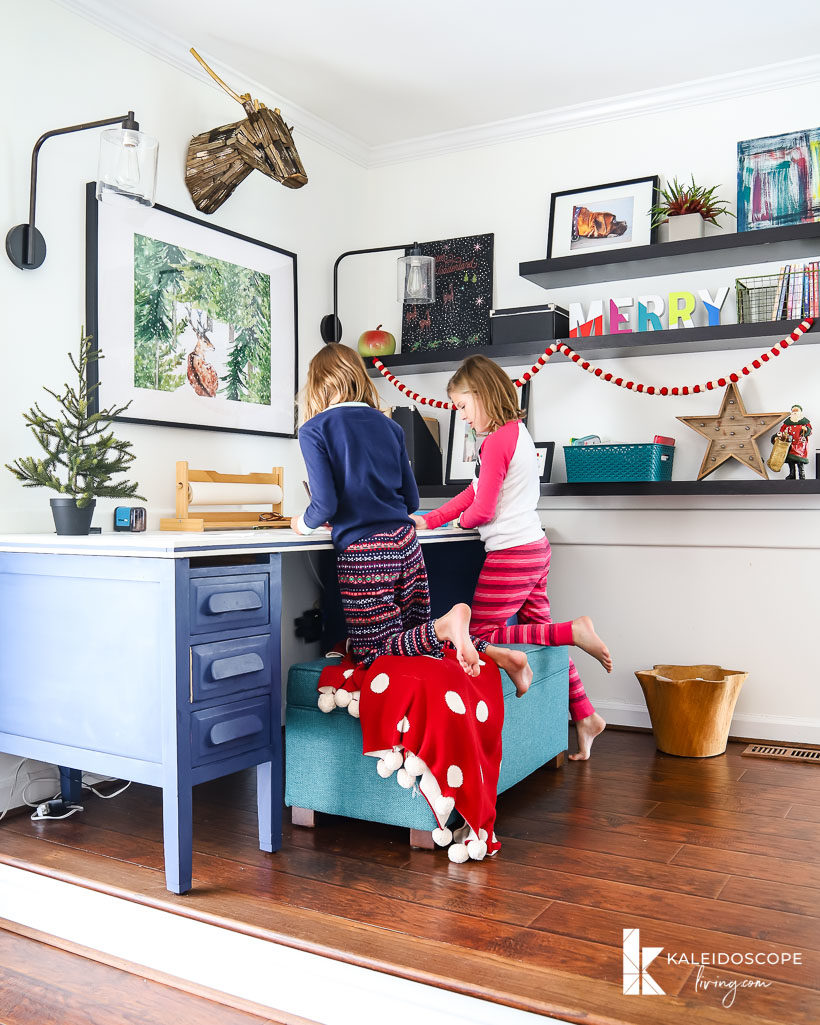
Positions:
(127, 167)
(416, 279)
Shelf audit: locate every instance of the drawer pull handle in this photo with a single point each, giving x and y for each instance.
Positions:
(233, 601)
(237, 665)
(235, 729)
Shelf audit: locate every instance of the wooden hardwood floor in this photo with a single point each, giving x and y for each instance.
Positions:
(41, 985)
(714, 857)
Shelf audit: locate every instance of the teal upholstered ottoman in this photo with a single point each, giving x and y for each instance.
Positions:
(326, 771)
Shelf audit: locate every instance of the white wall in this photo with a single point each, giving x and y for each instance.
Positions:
(682, 580)
(695, 579)
(58, 69)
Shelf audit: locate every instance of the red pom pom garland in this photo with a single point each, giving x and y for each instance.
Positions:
(642, 389)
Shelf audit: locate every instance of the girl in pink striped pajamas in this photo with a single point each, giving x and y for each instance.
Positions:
(501, 502)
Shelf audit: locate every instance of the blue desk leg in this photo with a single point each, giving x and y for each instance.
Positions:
(269, 804)
(177, 812)
(71, 785)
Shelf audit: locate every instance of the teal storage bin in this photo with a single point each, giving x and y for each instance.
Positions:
(614, 463)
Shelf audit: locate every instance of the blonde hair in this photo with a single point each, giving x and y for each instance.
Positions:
(491, 386)
(336, 374)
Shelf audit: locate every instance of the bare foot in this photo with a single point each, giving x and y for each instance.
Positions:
(587, 730)
(583, 634)
(455, 627)
(515, 665)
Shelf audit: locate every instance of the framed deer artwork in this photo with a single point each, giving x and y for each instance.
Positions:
(197, 324)
(460, 316)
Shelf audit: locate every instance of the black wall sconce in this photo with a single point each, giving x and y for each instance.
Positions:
(127, 170)
(416, 284)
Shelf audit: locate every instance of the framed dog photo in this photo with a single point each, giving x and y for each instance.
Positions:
(464, 445)
(602, 217)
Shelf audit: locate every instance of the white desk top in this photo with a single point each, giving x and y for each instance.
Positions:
(166, 544)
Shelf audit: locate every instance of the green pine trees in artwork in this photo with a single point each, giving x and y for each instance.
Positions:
(82, 456)
(176, 288)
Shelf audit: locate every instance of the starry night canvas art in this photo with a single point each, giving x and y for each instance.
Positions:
(460, 316)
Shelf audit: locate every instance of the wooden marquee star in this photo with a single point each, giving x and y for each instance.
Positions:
(732, 434)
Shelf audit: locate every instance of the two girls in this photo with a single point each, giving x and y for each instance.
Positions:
(361, 484)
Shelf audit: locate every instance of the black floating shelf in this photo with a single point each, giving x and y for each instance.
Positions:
(643, 343)
(650, 488)
(689, 487)
(783, 245)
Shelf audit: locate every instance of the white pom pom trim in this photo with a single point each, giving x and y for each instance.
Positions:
(404, 779)
(353, 707)
(326, 702)
(442, 837)
(457, 853)
(393, 760)
(414, 765)
(476, 849)
(343, 698)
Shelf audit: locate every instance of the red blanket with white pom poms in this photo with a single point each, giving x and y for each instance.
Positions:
(447, 726)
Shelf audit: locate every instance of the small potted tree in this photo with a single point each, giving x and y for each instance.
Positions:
(81, 455)
(686, 208)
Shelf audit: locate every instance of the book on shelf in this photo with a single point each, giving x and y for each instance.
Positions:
(782, 284)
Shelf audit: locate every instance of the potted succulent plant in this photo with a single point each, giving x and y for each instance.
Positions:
(686, 208)
(81, 455)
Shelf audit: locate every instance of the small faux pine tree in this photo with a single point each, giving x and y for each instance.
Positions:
(82, 456)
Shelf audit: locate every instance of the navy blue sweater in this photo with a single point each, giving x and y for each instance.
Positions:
(360, 478)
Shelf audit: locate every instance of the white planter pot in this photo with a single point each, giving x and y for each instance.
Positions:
(685, 226)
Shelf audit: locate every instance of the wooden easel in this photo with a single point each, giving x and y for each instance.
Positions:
(230, 519)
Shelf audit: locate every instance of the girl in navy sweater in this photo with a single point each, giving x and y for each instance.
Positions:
(362, 485)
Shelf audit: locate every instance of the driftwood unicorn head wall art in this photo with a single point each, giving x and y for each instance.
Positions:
(220, 159)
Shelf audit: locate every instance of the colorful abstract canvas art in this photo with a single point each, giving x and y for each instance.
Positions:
(778, 180)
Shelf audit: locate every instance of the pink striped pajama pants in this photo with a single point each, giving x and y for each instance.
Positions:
(514, 581)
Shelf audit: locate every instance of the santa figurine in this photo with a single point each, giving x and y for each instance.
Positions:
(796, 430)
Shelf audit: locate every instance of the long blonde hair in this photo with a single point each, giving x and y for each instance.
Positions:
(336, 374)
(494, 390)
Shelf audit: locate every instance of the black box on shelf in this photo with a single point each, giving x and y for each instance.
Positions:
(528, 324)
(425, 455)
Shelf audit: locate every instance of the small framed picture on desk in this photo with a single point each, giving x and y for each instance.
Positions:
(544, 452)
(464, 445)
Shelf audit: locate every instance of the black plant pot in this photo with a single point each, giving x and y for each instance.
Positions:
(68, 519)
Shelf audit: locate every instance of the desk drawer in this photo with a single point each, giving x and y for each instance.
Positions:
(229, 667)
(229, 730)
(229, 602)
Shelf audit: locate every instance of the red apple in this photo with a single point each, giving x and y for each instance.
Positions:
(377, 343)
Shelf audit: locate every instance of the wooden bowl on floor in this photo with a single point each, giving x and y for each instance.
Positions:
(691, 707)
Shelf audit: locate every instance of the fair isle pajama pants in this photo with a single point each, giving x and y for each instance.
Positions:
(386, 598)
(514, 581)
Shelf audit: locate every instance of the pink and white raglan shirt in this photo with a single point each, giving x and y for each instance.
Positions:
(501, 501)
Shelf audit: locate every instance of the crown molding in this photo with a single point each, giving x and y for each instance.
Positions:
(615, 108)
(174, 51)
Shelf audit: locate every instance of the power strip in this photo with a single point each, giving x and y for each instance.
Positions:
(56, 809)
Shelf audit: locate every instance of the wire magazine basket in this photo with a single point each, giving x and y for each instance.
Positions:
(760, 299)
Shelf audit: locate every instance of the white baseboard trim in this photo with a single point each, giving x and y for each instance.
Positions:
(281, 978)
(776, 728)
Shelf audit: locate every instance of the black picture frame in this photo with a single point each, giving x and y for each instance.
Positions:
(545, 460)
(637, 195)
(458, 445)
(131, 248)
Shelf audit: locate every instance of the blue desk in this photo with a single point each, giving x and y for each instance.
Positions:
(153, 657)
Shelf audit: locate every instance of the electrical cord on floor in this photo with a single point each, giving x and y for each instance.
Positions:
(107, 797)
(56, 808)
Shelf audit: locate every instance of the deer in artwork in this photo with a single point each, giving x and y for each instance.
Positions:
(447, 297)
(202, 376)
(424, 323)
(222, 158)
(412, 314)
